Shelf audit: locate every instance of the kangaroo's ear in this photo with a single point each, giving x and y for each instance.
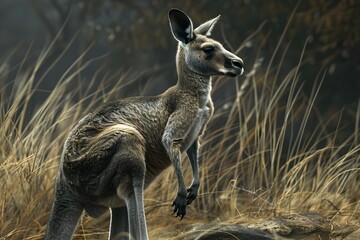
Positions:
(181, 26)
(207, 27)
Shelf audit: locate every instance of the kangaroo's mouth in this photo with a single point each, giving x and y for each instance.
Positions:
(234, 72)
(230, 74)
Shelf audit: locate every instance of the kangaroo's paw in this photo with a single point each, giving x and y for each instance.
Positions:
(179, 205)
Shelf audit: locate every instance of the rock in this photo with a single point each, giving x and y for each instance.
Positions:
(232, 232)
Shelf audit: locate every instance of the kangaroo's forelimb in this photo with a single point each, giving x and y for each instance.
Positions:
(193, 153)
(173, 141)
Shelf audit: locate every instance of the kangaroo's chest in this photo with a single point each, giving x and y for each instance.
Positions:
(199, 122)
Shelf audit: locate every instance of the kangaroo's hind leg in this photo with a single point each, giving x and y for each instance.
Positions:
(119, 226)
(128, 170)
(135, 206)
(65, 214)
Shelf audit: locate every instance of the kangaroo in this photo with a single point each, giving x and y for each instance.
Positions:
(116, 151)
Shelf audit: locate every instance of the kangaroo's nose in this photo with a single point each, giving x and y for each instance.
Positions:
(238, 63)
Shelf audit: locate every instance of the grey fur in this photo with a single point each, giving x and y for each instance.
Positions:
(116, 151)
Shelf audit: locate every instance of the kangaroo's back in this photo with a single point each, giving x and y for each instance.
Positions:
(147, 114)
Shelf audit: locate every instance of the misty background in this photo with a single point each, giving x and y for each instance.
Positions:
(133, 37)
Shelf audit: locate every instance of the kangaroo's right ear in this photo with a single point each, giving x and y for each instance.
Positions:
(181, 26)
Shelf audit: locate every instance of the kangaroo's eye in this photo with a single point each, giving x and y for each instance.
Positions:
(208, 49)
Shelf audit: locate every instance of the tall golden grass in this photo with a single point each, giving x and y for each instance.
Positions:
(266, 152)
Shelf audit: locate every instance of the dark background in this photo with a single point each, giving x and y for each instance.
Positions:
(134, 36)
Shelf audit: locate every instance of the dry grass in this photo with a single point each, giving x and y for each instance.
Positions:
(266, 153)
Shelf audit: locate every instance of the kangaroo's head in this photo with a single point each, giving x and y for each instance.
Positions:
(202, 54)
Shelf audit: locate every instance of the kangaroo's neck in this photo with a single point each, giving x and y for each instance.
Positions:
(190, 80)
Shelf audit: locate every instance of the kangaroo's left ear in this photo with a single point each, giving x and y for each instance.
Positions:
(207, 27)
(181, 26)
